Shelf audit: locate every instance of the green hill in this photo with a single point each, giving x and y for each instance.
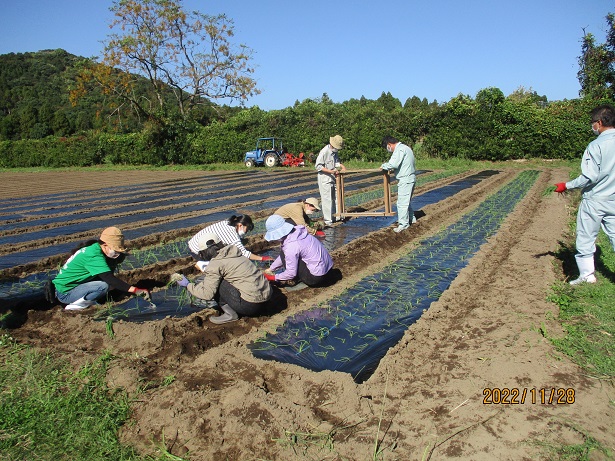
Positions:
(34, 101)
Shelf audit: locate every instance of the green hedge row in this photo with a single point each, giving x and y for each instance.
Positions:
(488, 127)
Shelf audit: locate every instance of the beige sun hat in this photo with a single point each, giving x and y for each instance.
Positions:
(113, 237)
(313, 201)
(337, 141)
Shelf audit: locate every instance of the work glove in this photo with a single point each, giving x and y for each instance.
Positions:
(183, 282)
(143, 292)
(267, 258)
(180, 280)
(320, 234)
(270, 277)
(560, 187)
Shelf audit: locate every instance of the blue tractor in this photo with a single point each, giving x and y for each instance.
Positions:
(269, 152)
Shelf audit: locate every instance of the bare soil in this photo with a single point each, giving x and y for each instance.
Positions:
(426, 400)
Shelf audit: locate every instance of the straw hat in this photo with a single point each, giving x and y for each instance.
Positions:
(314, 202)
(337, 142)
(113, 237)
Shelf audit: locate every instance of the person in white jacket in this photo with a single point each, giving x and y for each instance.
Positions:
(329, 166)
(597, 184)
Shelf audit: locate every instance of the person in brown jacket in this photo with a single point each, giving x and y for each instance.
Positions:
(231, 279)
(298, 214)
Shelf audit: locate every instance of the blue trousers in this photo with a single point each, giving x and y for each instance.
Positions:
(591, 216)
(91, 291)
(405, 187)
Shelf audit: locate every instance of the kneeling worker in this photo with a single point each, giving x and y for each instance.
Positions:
(231, 279)
(87, 276)
(303, 256)
(298, 214)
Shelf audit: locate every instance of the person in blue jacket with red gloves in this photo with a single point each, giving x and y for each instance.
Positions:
(597, 184)
(304, 257)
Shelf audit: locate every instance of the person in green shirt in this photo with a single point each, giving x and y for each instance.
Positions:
(88, 274)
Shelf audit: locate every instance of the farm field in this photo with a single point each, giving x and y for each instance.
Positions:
(424, 394)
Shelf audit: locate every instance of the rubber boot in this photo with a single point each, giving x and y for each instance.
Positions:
(229, 315)
(78, 305)
(586, 270)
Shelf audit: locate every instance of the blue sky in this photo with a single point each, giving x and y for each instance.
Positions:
(354, 48)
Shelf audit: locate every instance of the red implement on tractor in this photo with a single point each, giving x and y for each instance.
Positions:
(291, 160)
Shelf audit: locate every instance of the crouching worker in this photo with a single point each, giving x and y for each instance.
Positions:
(87, 276)
(298, 214)
(304, 258)
(231, 279)
(229, 231)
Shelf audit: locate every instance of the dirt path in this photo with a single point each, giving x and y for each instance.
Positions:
(425, 400)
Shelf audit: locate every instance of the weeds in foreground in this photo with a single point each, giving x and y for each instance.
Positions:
(50, 412)
(578, 452)
(377, 450)
(587, 314)
(162, 449)
(303, 443)
(588, 318)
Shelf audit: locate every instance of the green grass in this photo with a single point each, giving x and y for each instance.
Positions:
(50, 412)
(586, 311)
(577, 452)
(588, 317)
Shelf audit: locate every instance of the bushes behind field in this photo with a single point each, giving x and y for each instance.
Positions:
(488, 127)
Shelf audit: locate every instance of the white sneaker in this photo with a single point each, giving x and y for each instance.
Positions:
(590, 278)
(413, 220)
(401, 228)
(79, 305)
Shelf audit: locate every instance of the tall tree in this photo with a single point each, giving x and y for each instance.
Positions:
(185, 57)
(597, 65)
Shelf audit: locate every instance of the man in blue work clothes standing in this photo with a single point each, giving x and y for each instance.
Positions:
(597, 184)
(402, 164)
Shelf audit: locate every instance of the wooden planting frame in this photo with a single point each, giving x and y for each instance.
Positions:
(340, 211)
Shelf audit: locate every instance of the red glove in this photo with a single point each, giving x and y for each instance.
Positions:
(320, 234)
(143, 292)
(270, 277)
(267, 258)
(560, 187)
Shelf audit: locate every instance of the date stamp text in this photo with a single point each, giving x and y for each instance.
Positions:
(520, 396)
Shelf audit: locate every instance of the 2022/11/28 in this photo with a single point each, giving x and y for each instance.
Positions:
(518, 396)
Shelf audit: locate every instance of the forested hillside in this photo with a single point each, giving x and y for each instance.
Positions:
(35, 99)
(40, 126)
(34, 96)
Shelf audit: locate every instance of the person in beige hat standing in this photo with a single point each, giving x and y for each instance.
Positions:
(329, 166)
(87, 275)
(298, 214)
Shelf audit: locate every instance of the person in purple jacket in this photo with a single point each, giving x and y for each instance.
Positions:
(304, 257)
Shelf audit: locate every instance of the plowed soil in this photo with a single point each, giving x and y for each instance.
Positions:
(425, 400)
